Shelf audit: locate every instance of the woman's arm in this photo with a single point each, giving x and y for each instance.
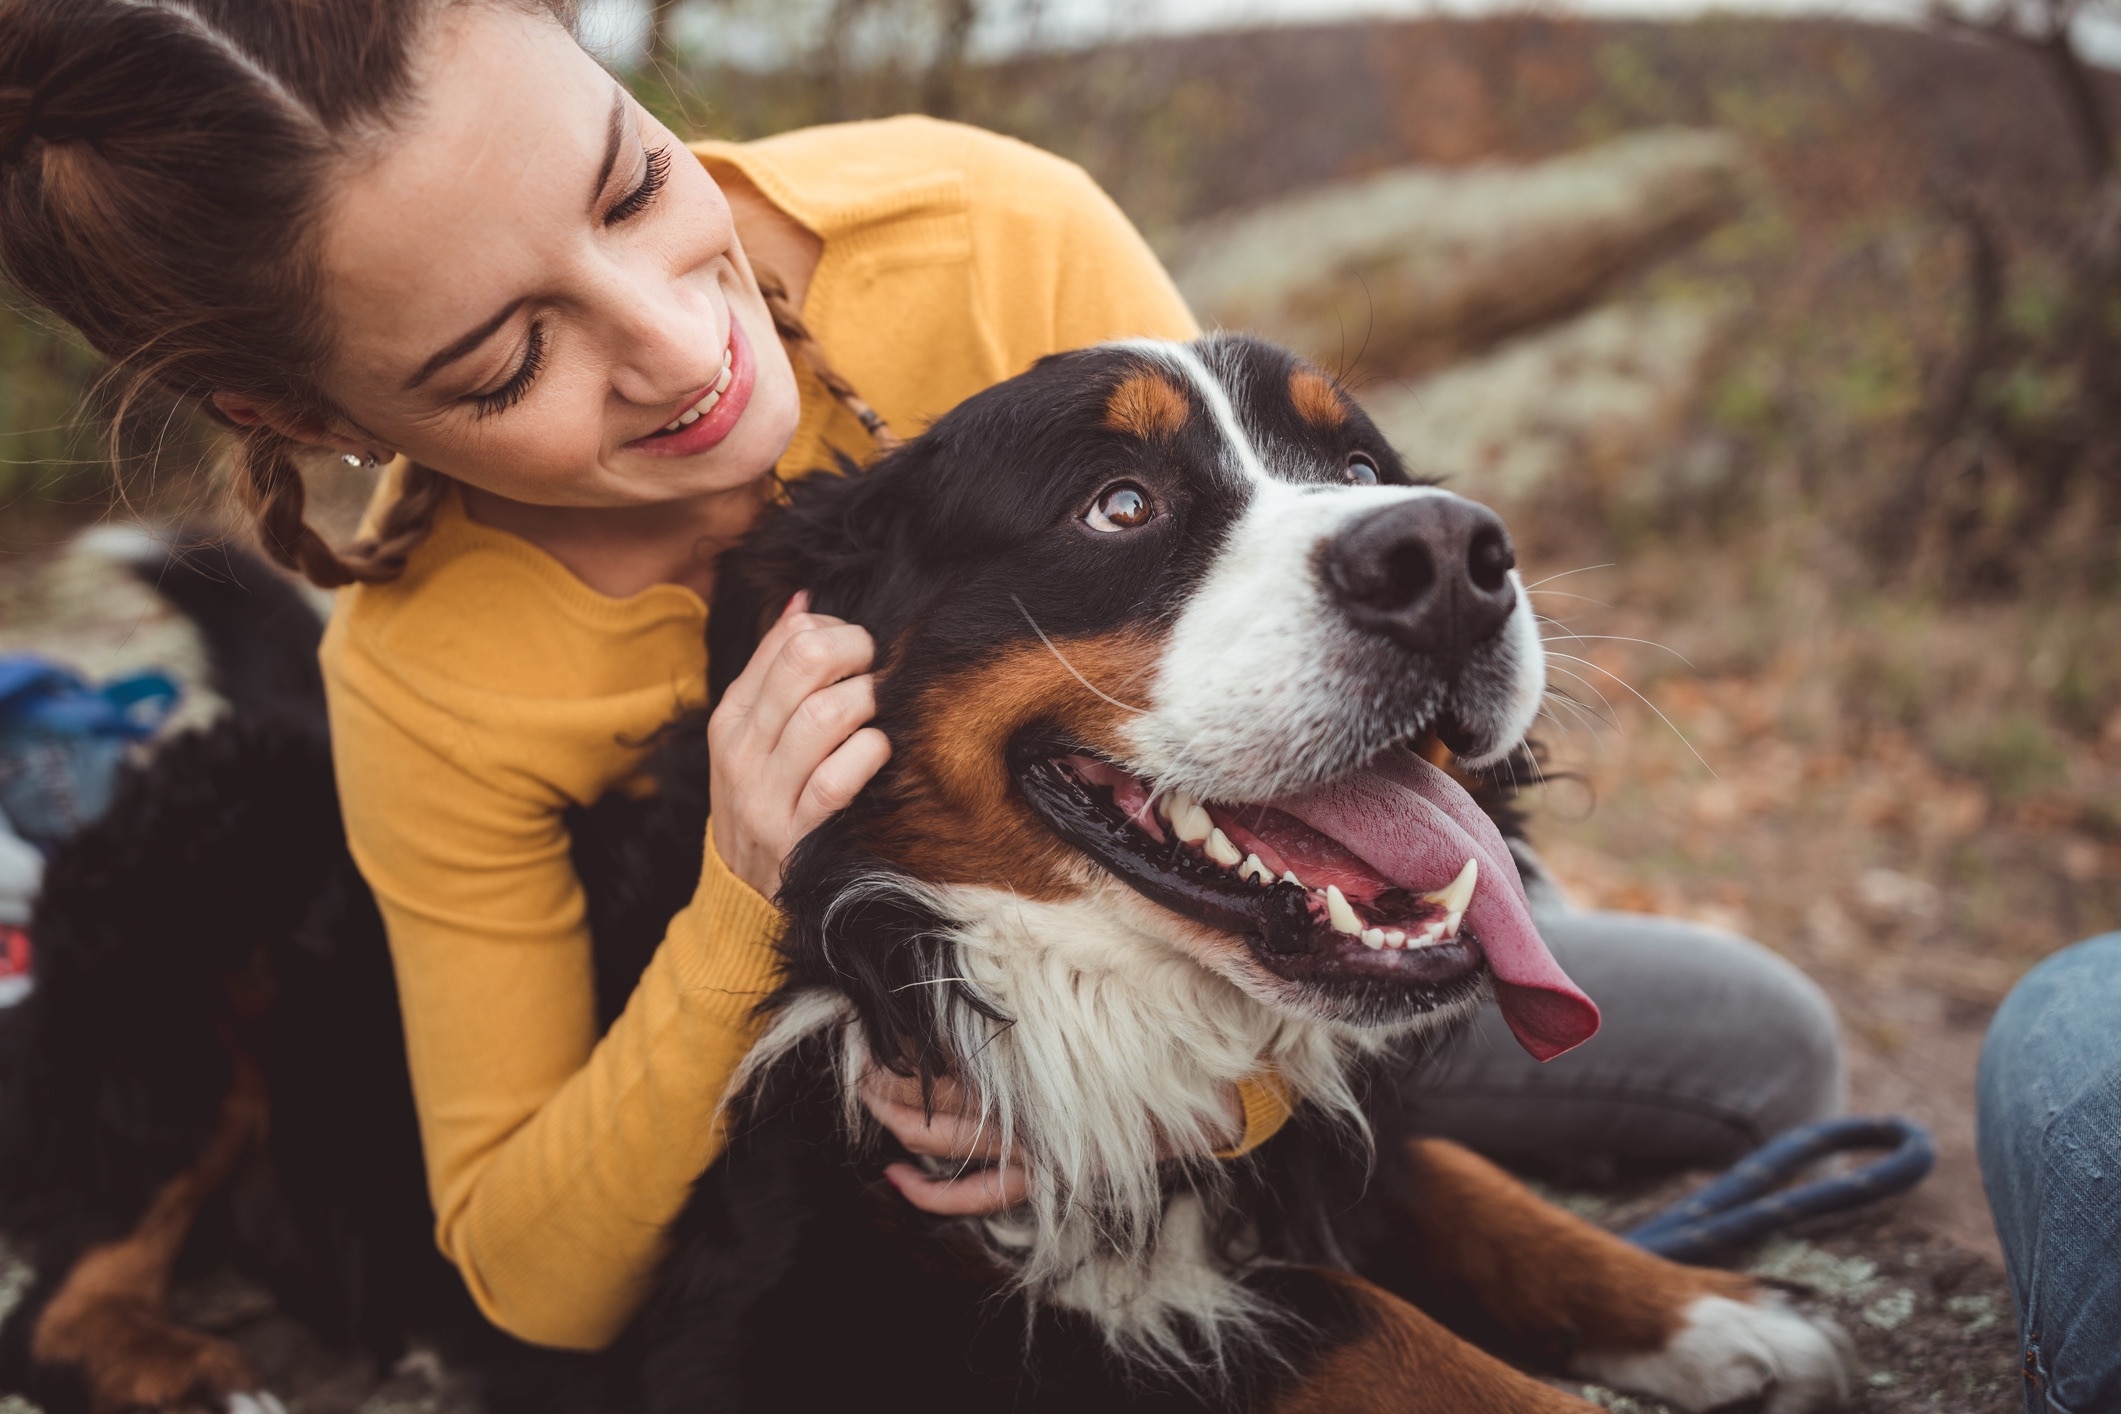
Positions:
(556, 1159)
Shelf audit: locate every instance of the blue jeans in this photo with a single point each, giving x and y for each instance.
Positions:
(2049, 1101)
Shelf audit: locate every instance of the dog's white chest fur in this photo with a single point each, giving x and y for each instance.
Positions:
(1122, 1051)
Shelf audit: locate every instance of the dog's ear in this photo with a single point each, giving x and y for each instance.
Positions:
(828, 537)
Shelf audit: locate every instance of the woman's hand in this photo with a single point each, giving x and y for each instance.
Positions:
(955, 1132)
(786, 747)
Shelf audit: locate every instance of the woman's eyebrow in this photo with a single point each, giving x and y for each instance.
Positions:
(612, 142)
(462, 346)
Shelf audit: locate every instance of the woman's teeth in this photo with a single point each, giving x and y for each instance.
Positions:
(705, 405)
(1189, 821)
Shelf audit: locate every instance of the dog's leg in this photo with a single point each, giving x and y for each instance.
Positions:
(1467, 1234)
(1382, 1354)
(109, 1319)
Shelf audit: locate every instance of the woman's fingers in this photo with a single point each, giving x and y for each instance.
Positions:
(975, 1194)
(812, 658)
(745, 690)
(840, 777)
(819, 726)
(785, 746)
(952, 1131)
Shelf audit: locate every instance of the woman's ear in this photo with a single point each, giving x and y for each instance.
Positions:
(310, 430)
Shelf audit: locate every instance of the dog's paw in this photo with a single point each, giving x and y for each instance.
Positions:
(1726, 1351)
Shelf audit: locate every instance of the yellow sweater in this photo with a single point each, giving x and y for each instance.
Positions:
(477, 697)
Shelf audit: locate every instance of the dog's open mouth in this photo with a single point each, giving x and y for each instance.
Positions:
(1388, 877)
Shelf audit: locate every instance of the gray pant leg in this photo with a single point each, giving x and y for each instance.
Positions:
(1710, 1045)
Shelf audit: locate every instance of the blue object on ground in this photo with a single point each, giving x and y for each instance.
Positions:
(1740, 1206)
(62, 741)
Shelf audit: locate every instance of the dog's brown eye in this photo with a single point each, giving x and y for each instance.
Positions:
(1120, 507)
(1361, 470)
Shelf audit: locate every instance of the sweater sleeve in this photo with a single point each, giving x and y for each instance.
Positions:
(555, 1159)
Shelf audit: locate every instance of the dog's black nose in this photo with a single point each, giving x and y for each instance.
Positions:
(1432, 574)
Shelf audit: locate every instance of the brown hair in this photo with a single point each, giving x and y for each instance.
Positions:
(162, 165)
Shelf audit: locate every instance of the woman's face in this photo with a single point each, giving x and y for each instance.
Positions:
(531, 283)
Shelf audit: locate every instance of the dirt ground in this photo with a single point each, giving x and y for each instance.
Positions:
(1929, 1319)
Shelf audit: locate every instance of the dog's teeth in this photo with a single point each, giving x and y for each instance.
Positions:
(1188, 820)
(1373, 937)
(1253, 869)
(1221, 850)
(1455, 895)
(1288, 876)
(1339, 914)
(1432, 933)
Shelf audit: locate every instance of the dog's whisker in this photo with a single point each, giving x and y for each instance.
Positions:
(1582, 569)
(1684, 739)
(1622, 638)
(1055, 651)
(1603, 701)
(1584, 718)
(1564, 594)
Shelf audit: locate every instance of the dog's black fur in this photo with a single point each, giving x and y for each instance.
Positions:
(796, 1278)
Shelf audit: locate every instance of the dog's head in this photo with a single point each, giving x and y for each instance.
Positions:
(1171, 625)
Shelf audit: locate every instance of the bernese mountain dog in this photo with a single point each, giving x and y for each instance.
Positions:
(1201, 708)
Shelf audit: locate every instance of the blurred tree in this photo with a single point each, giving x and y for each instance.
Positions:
(2017, 477)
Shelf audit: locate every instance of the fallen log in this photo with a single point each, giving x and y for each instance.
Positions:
(1417, 268)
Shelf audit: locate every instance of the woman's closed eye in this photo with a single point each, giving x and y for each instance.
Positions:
(510, 393)
(645, 191)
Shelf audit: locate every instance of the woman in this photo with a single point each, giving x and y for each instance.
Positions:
(434, 233)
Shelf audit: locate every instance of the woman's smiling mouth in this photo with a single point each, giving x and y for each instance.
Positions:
(714, 411)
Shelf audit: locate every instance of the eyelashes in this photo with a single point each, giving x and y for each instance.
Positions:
(642, 196)
(510, 393)
(627, 207)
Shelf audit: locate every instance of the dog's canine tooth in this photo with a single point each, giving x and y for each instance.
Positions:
(1253, 869)
(1339, 914)
(1373, 937)
(1188, 820)
(1221, 850)
(1455, 895)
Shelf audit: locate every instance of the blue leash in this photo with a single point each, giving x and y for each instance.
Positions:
(1740, 1207)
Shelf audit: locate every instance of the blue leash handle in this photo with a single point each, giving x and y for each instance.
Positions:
(1740, 1206)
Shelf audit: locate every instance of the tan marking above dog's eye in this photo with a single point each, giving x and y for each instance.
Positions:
(1317, 401)
(1362, 469)
(1146, 406)
(1121, 506)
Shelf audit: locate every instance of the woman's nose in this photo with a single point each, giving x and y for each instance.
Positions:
(667, 342)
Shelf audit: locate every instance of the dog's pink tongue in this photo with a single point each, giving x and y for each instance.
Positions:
(1416, 826)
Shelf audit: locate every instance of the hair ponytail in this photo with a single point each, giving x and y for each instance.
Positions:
(269, 481)
(804, 345)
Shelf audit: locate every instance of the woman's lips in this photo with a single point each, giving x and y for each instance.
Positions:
(720, 420)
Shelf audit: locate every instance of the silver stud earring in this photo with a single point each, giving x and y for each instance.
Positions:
(356, 459)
